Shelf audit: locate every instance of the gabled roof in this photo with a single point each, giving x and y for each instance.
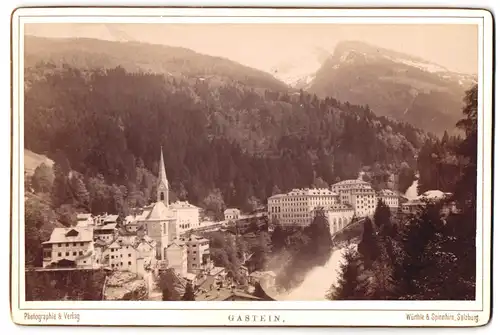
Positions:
(176, 243)
(158, 212)
(73, 234)
(110, 218)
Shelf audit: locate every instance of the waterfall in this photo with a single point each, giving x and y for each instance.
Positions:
(318, 281)
(411, 192)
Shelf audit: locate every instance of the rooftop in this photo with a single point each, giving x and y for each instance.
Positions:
(73, 234)
(306, 192)
(351, 182)
(224, 294)
(182, 205)
(107, 226)
(339, 207)
(387, 193)
(193, 238)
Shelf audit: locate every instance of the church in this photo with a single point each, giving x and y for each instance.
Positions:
(163, 221)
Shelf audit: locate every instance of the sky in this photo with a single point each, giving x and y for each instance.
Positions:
(264, 46)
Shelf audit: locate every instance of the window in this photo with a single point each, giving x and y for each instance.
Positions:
(80, 253)
(67, 244)
(59, 254)
(67, 253)
(121, 263)
(129, 255)
(162, 196)
(112, 257)
(84, 262)
(74, 244)
(74, 253)
(129, 263)
(82, 244)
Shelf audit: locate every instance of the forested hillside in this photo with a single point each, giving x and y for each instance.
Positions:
(224, 144)
(174, 62)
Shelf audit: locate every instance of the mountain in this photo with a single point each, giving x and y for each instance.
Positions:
(299, 70)
(226, 141)
(393, 84)
(176, 62)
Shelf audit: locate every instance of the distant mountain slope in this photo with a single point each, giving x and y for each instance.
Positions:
(84, 53)
(33, 160)
(393, 84)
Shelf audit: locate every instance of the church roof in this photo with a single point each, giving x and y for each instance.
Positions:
(159, 212)
(162, 175)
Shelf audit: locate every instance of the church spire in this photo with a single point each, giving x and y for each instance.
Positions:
(162, 189)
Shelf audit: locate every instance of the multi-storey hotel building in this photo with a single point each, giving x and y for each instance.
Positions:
(297, 207)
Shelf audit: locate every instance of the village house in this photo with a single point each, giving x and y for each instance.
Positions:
(176, 253)
(231, 214)
(129, 253)
(198, 253)
(70, 244)
(106, 232)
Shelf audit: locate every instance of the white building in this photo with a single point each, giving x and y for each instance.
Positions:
(129, 253)
(71, 244)
(296, 207)
(390, 198)
(232, 214)
(198, 253)
(187, 216)
(176, 253)
(106, 232)
(357, 193)
(413, 206)
(339, 216)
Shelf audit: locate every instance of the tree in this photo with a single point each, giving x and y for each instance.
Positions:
(43, 178)
(351, 285)
(254, 224)
(416, 237)
(214, 204)
(189, 293)
(66, 214)
(260, 251)
(320, 247)
(465, 189)
(276, 190)
(80, 192)
(368, 247)
(381, 286)
(61, 190)
(39, 223)
(319, 183)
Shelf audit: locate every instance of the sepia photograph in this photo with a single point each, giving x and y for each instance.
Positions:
(267, 163)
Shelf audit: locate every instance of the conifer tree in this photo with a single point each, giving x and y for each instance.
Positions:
(189, 293)
(351, 285)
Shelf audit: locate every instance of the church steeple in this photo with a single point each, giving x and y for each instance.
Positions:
(162, 188)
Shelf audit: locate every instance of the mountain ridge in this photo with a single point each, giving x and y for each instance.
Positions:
(393, 84)
(174, 61)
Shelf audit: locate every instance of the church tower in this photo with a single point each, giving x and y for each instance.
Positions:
(162, 188)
